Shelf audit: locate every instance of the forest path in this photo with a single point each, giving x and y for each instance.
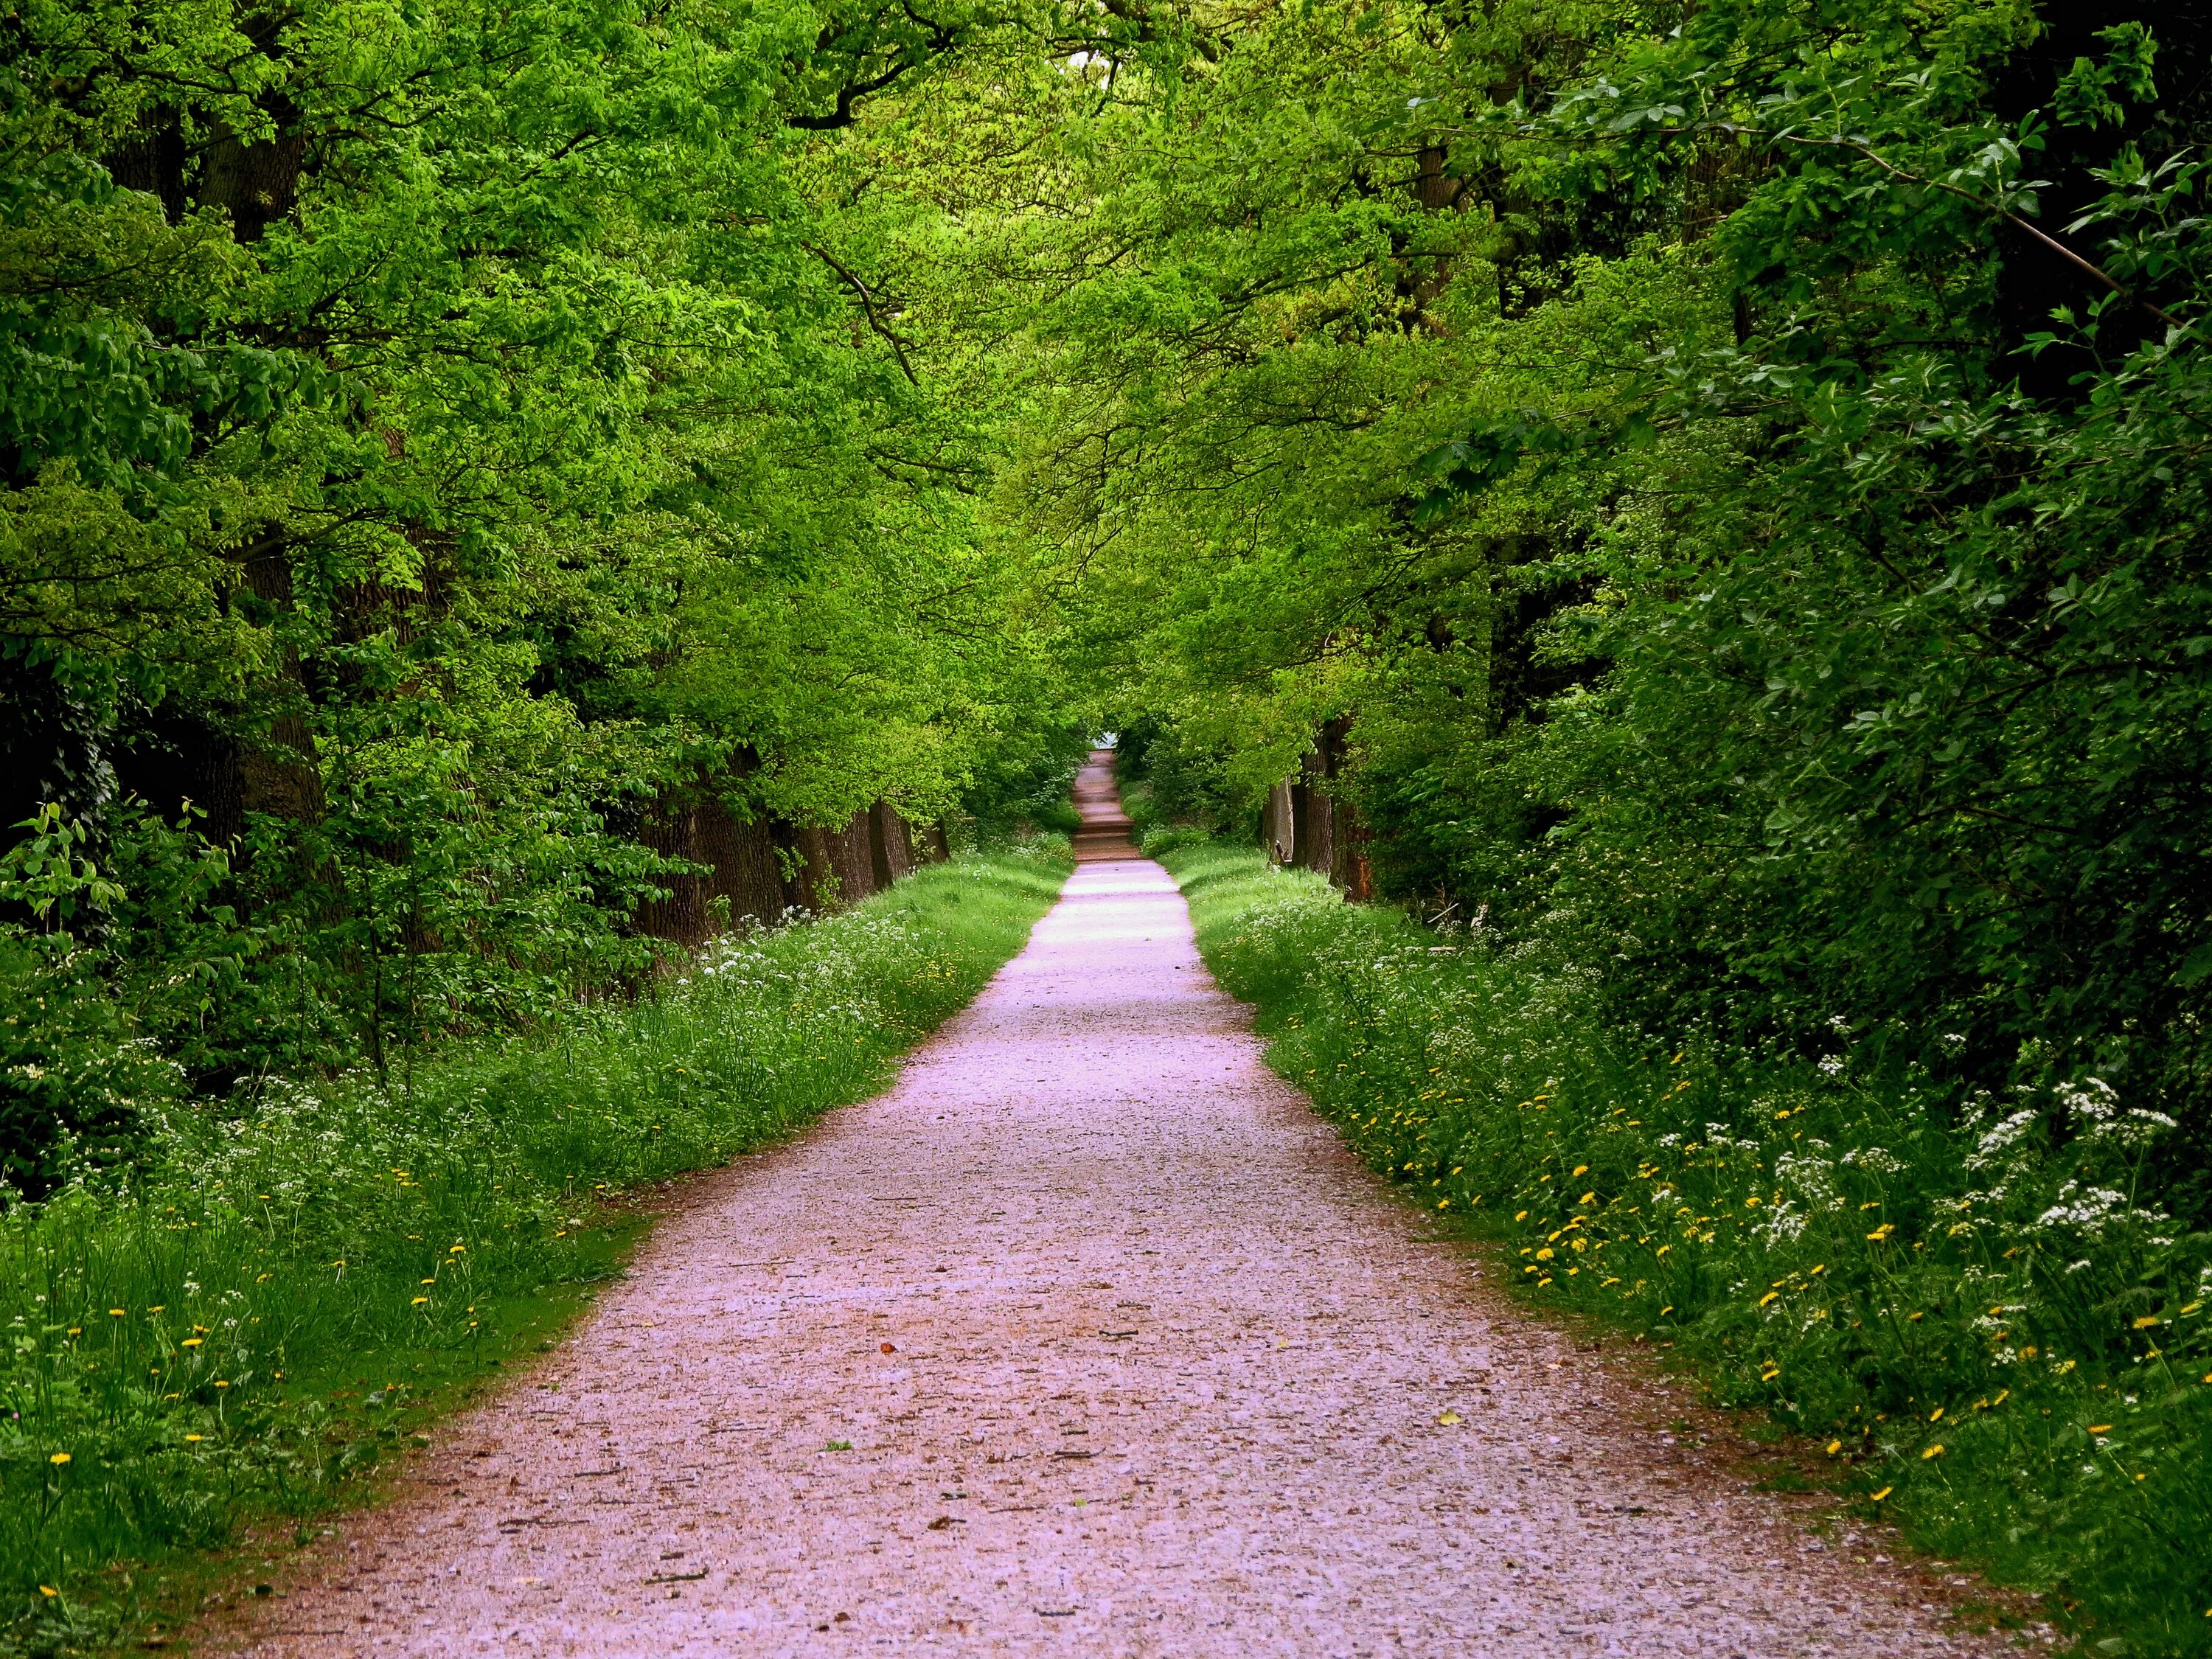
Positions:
(1132, 1359)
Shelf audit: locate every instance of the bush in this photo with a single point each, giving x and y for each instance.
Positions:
(1994, 1336)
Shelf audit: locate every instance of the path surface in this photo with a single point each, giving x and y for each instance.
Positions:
(1133, 1359)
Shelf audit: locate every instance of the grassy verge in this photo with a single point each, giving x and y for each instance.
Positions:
(1999, 1347)
(274, 1301)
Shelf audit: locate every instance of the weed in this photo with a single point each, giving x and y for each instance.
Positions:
(248, 1322)
(1997, 1345)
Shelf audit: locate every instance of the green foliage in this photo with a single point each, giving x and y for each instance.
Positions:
(1737, 473)
(2000, 1338)
(227, 1328)
(429, 435)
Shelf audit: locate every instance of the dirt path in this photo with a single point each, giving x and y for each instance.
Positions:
(1131, 1358)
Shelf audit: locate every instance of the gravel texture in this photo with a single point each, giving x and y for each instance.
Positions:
(1130, 1358)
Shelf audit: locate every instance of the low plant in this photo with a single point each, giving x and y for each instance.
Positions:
(236, 1325)
(1994, 1335)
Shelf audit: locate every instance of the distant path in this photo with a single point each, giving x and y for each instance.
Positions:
(1134, 1359)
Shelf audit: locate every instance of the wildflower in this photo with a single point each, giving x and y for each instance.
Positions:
(115, 1313)
(2146, 1321)
(1579, 1168)
(419, 1301)
(1768, 1298)
(58, 1459)
(48, 1589)
(1882, 1232)
(1935, 1450)
(1834, 1446)
(1883, 1493)
(2100, 1428)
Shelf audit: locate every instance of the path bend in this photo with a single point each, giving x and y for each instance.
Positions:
(1132, 1359)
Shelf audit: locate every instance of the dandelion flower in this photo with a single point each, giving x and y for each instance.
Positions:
(2146, 1321)
(1834, 1446)
(48, 1589)
(2100, 1428)
(1935, 1450)
(58, 1459)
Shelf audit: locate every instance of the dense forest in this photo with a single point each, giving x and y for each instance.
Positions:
(1713, 496)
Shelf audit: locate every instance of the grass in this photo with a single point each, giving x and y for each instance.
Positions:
(1998, 1342)
(274, 1302)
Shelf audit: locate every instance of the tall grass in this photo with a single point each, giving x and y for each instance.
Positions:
(1994, 1337)
(237, 1328)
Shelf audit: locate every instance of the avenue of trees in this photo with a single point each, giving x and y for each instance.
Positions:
(1725, 480)
(1730, 474)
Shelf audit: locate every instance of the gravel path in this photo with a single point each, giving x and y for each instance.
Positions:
(1130, 1358)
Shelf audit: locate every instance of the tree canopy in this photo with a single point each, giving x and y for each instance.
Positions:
(1729, 474)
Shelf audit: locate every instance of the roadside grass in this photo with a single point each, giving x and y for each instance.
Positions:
(275, 1301)
(2001, 1350)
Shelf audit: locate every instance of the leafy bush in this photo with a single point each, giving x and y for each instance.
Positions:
(1996, 1334)
(230, 1327)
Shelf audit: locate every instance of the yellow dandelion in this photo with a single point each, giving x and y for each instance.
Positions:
(1935, 1450)
(1883, 1493)
(2146, 1321)
(420, 1300)
(58, 1459)
(2100, 1428)
(1834, 1446)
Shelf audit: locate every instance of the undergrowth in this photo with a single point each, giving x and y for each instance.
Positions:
(238, 1327)
(2000, 1346)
